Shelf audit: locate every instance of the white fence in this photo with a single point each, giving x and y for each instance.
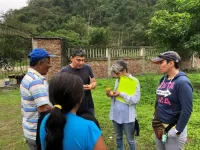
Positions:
(110, 53)
(118, 52)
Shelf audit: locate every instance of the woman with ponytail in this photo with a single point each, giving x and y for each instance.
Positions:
(62, 129)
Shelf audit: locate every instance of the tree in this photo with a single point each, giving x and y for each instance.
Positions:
(169, 30)
(99, 36)
(14, 47)
(176, 26)
(124, 20)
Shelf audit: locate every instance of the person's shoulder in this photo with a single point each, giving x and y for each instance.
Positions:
(91, 117)
(84, 122)
(31, 79)
(27, 79)
(183, 80)
(89, 125)
(86, 66)
(66, 68)
(182, 77)
(133, 78)
(84, 129)
(36, 81)
(78, 118)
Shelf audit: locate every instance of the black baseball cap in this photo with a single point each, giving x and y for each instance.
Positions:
(169, 55)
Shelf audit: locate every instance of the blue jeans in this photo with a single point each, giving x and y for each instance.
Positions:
(128, 129)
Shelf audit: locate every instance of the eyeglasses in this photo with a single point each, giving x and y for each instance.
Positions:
(117, 73)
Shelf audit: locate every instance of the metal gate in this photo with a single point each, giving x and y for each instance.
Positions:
(14, 49)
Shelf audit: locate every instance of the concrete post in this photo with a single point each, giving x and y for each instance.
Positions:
(108, 55)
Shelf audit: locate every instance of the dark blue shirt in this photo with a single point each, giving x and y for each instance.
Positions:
(174, 100)
(85, 73)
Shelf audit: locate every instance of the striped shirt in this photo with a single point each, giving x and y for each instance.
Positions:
(34, 93)
(125, 112)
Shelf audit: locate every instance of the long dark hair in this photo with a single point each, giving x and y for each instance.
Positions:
(65, 90)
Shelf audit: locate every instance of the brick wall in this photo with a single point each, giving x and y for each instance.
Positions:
(53, 46)
(188, 64)
(136, 65)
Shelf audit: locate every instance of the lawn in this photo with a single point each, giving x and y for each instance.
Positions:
(11, 136)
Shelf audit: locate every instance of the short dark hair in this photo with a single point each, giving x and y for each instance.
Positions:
(34, 63)
(176, 64)
(78, 52)
(66, 90)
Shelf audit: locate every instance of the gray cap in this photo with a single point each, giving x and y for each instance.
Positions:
(169, 55)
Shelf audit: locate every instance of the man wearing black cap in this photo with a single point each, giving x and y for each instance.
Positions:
(34, 94)
(173, 104)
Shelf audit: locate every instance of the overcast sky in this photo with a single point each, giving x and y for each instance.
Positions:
(5, 5)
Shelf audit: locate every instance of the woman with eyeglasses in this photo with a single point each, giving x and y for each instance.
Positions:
(124, 98)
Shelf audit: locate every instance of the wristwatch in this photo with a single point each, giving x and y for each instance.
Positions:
(177, 132)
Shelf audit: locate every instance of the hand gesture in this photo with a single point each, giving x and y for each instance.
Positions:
(115, 94)
(87, 87)
(109, 93)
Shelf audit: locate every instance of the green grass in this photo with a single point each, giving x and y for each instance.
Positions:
(11, 135)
